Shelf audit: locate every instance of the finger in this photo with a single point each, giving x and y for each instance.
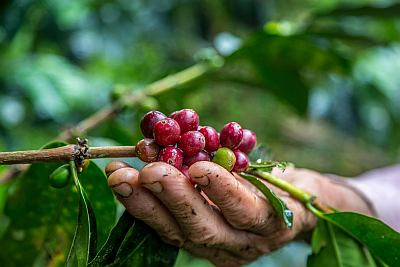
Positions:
(115, 165)
(201, 224)
(141, 204)
(240, 206)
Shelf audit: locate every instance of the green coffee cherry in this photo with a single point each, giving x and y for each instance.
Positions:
(225, 158)
(59, 178)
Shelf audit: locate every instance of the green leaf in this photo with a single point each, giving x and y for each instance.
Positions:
(382, 241)
(332, 247)
(279, 206)
(278, 63)
(109, 250)
(84, 243)
(133, 243)
(94, 182)
(135, 239)
(143, 247)
(40, 220)
(153, 253)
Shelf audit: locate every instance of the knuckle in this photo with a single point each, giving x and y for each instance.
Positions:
(257, 219)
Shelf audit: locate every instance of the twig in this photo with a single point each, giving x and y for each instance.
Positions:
(65, 154)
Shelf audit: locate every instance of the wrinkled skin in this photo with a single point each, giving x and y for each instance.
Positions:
(229, 222)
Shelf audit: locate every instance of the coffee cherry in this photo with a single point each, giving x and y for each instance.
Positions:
(249, 141)
(231, 135)
(59, 178)
(166, 132)
(225, 158)
(171, 155)
(212, 138)
(192, 142)
(115, 165)
(187, 119)
(147, 150)
(242, 161)
(201, 156)
(148, 121)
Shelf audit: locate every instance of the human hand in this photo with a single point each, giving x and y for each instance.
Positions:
(229, 222)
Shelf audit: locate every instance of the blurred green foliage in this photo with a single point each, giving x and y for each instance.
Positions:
(317, 80)
(309, 77)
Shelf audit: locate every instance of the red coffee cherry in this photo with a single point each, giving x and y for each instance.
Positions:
(249, 141)
(171, 155)
(187, 119)
(166, 132)
(148, 121)
(242, 161)
(192, 142)
(201, 156)
(231, 135)
(212, 138)
(147, 150)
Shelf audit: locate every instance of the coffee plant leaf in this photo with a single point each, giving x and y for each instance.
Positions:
(132, 243)
(40, 218)
(382, 241)
(153, 253)
(332, 247)
(143, 247)
(94, 183)
(109, 250)
(84, 243)
(262, 54)
(278, 204)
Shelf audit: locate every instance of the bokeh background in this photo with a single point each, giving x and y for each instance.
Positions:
(317, 80)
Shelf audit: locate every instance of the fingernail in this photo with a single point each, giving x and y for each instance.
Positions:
(155, 187)
(123, 189)
(202, 180)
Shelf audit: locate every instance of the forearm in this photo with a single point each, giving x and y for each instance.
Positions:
(344, 196)
(382, 188)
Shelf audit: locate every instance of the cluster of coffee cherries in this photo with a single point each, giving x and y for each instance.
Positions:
(180, 141)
